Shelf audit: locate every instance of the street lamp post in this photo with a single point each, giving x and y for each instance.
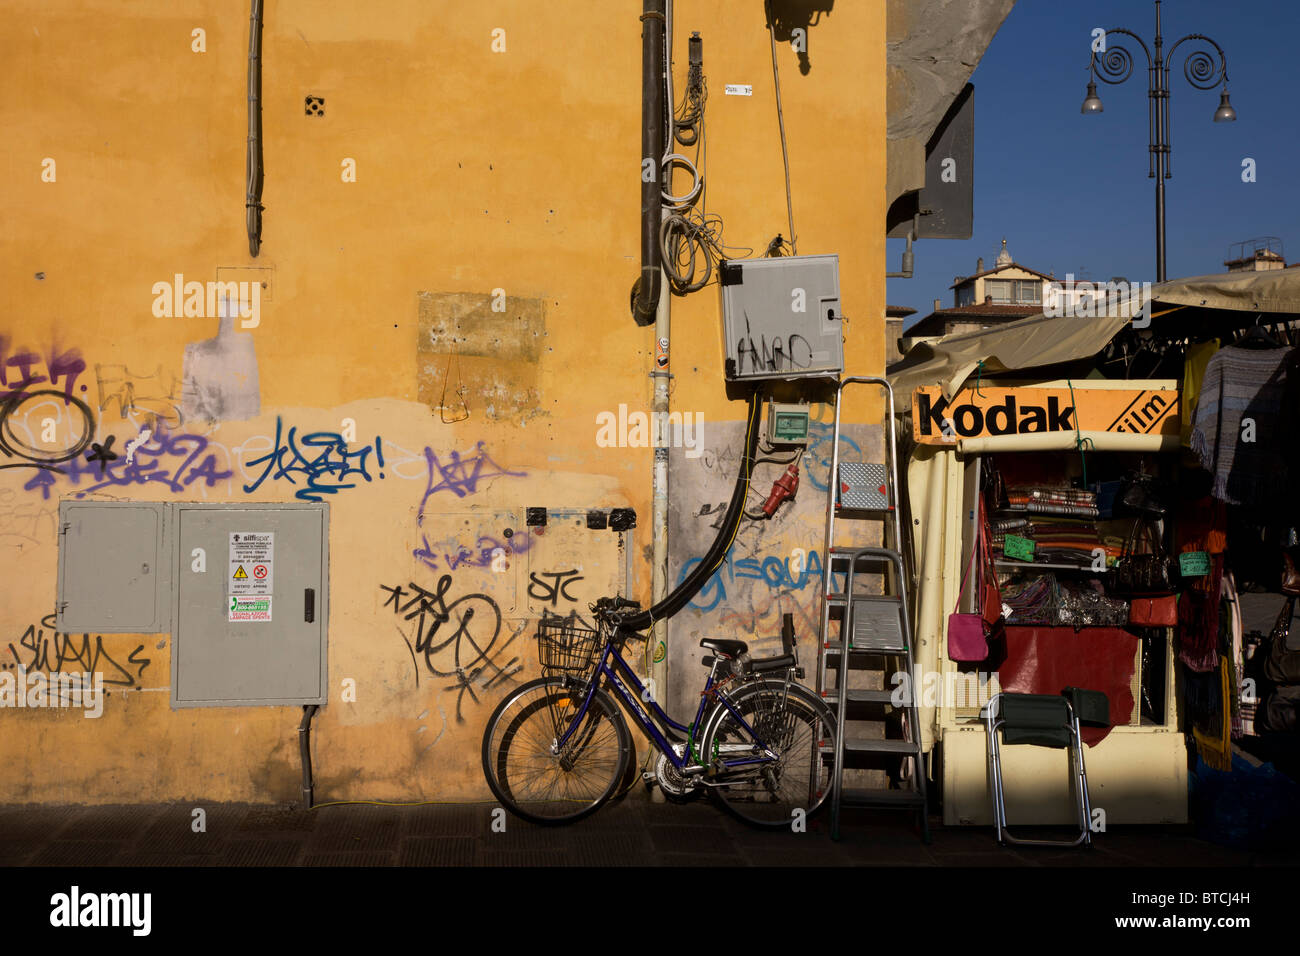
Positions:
(1114, 66)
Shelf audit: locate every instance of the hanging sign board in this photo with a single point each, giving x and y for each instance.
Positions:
(1021, 549)
(1024, 411)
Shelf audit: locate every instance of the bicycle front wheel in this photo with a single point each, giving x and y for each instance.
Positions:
(531, 776)
(796, 776)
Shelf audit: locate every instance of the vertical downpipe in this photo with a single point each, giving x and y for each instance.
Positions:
(253, 161)
(649, 287)
(661, 375)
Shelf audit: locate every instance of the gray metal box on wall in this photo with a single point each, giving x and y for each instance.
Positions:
(114, 567)
(781, 318)
(250, 605)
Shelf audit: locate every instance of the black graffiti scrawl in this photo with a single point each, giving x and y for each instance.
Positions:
(460, 639)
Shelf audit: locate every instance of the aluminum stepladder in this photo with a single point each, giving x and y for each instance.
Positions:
(870, 627)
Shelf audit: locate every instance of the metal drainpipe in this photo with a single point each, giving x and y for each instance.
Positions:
(650, 285)
(659, 491)
(659, 477)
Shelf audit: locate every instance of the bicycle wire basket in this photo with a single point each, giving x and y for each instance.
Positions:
(565, 646)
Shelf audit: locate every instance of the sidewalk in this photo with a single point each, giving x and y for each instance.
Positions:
(631, 832)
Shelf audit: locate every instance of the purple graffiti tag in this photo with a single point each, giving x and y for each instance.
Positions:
(175, 461)
(462, 475)
(17, 375)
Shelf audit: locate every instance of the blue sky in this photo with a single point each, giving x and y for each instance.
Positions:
(1070, 192)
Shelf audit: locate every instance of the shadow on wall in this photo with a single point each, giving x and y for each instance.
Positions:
(790, 20)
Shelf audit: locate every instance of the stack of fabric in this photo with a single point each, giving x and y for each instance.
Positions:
(999, 528)
(1063, 526)
(1046, 500)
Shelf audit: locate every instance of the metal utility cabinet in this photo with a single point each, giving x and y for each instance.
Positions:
(244, 590)
(781, 318)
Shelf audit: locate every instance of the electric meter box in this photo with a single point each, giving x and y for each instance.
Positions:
(243, 589)
(781, 318)
(787, 424)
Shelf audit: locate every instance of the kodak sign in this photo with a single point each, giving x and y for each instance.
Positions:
(1024, 411)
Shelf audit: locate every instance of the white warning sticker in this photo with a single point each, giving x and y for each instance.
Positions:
(252, 563)
(250, 608)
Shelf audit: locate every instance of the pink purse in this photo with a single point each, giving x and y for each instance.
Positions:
(967, 641)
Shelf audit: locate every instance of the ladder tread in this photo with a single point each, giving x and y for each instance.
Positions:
(837, 597)
(858, 797)
(836, 648)
(868, 745)
(857, 696)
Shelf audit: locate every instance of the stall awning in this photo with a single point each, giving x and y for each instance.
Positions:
(1275, 291)
(1042, 340)
(1028, 343)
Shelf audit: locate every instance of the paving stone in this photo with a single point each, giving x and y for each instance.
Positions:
(279, 852)
(698, 859)
(687, 839)
(521, 857)
(349, 859)
(438, 851)
(110, 823)
(449, 821)
(84, 853)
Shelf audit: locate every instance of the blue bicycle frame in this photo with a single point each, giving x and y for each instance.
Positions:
(609, 660)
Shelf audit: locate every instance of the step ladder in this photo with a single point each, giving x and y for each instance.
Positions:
(867, 632)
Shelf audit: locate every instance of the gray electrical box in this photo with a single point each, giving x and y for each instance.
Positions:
(114, 567)
(250, 605)
(781, 318)
(243, 589)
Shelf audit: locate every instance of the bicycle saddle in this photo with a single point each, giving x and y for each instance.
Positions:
(723, 646)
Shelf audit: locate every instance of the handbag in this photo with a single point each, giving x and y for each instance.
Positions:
(1290, 576)
(1139, 493)
(968, 633)
(990, 595)
(1153, 611)
(1283, 663)
(1151, 573)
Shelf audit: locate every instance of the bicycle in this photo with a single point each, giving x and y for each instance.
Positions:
(557, 747)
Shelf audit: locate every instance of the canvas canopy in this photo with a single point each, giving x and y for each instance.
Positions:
(1042, 340)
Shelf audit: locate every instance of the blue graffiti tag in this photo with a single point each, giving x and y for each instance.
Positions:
(775, 572)
(322, 458)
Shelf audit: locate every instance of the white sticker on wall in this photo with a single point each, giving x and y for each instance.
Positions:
(252, 563)
(739, 89)
(250, 608)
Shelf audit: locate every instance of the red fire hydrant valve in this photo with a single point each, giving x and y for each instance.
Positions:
(783, 488)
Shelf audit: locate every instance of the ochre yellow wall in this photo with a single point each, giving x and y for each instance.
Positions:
(475, 171)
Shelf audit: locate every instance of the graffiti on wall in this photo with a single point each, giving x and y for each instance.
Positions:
(23, 368)
(142, 401)
(43, 648)
(459, 638)
(551, 587)
(321, 461)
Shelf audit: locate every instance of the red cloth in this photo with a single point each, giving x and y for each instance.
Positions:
(1046, 660)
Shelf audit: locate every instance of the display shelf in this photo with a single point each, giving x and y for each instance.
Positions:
(1027, 565)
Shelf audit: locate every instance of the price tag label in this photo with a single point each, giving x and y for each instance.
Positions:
(1193, 564)
(1021, 549)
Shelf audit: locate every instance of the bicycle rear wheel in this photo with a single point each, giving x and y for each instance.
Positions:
(794, 726)
(533, 780)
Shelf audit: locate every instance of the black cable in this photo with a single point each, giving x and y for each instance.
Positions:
(685, 592)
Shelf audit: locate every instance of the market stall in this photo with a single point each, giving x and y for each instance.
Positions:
(1079, 470)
